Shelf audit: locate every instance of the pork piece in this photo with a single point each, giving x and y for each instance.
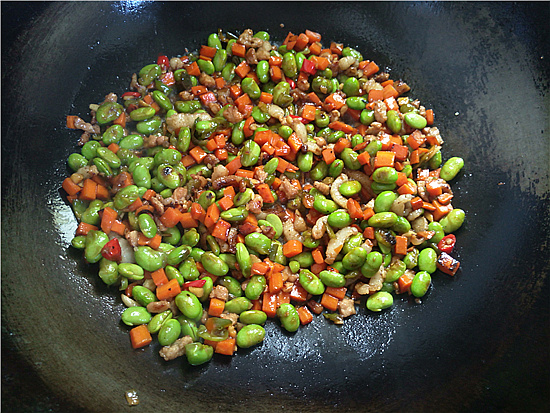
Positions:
(346, 307)
(176, 349)
(220, 292)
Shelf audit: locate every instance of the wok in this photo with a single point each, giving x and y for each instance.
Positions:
(478, 342)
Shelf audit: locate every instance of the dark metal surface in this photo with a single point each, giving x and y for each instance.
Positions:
(480, 340)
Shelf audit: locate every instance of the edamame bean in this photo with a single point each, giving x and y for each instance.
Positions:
(324, 206)
(411, 259)
(289, 65)
(427, 260)
(206, 66)
(339, 219)
(125, 197)
(142, 176)
(402, 225)
(336, 168)
(147, 225)
(188, 327)
(178, 254)
(131, 271)
(384, 201)
(134, 316)
(439, 232)
(251, 88)
(143, 113)
(173, 272)
(143, 295)
(108, 112)
(168, 176)
(133, 141)
(288, 315)
(262, 71)
(91, 214)
(305, 161)
(383, 220)
(311, 283)
(258, 242)
(234, 214)
(242, 198)
(198, 353)
(356, 102)
(238, 305)
(421, 283)
(149, 259)
(385, 175)
(350, 188)
(250, 335)
(255, 287)
(253, 317)
(172, 236)
(250, 153)
(451, 168)
(95, 241)
(319, 171)
(349, 156)
(366, 117)
(351, 87)
(77, 161)
(158, 320)
(281, 94)
(108, 271)
(414, 120)
(213, 264)
(452, 221)
(435, 161)
(355, 258)
(162, 100)
(169, 332)
(332, 278)
(305, 259)
(395, 270)
(189, 305)
(379, 301)
(232, 285)
(394, 121)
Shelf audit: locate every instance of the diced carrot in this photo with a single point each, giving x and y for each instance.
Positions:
(83, 228)
(375, 94)
(406, 189)
(445, 198)
(337, 101)
(102, 192)
(140, 336)
(212, 215)
(234, 165)
(193, 69)
(269, 304)
(390, 102)
(275, 282)
(197, 212)
(266, 97)
(317, 255)
(389, 91)
(354, 209)
(168, 290)
(259, 268)
(113, 147)
(405, 282)
(342, 144)
(187, 220)
(441, 210)
(88, 192)
(107, 219)
(368, 233)
(275, 61)
(305, 315)
(198, 90)
(430, 116)
(242, 69)
(313, 36)
(428, 206)
(312, 96)
(245, 173)
(221, 229)
(235, 91)
(171, 217)
(226, 347)
(221, 154)
(220, 82)
(400, 245)
(367, 213)
(316, 268)
(415, 139)
(338, 292)
(134, 205)
(246, 127)
(275, 73)
(301, 42)
(283, 298)
(370, 69)
(292, 248)
(416, 203)
(308, 112)
(216, 307)
(363, 158)
(447, 264)
(315, 48)
(229, 192)
(329, 302)
(401, 179)
(238, 50)
(298, 293)
(197, 153)
(208, 51)
(401, 152)
(70, 187)
(328, 155)
(207, 98)
(118, 227)
(70, 121)
(225, 203)
(159, 277)
(384, 158)
(265, 192)
(188, 161)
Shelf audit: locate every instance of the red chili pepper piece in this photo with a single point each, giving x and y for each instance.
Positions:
(196, 284)
(447, 243)
(163, 61)
(300, 118)
(134, 94)
(291, 82)
(308, 67)
(111, 251)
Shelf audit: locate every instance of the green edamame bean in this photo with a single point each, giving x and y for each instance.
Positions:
(294, 266)
(319, 171)
(172, 236)
(384, 201)
(147, 225)
(305, 259)
(339, 219)
(189, 305)
(178, 254)
(373, 147)
(149, 259)
(169, 176)
(214, 41)
(250, 335)
(260, 116)
(262, 71)
(134, 316)
(169, 332)
(394, 121)
(219, 60)
(281, 94)
(232, 285)
(348, 51)
(198, 353)
(352, 242)
(452, 221)
(158, 320)
(207, 288)
(173, 272)
(108, 112)
(187, 106)
(439, 232)
(77, 161)
(234, 214)
(238, 305)
(250, 153)
(213, 264)
(451, 168)
(383, 220)
(305, 161)
(354, 259)
(427, 260)
(411, 259)
(379, 301)
(258, 242)
(402, 225)
(395, 270)
(131, 271)
(228, 72)
(332, 278)
(336, 168)
(349, 156)
(242, 198)
(113, 134)
(255, 287)
(188, 327)
(142, 176)
(322, 119)
(351, 87)
(79, 242)
(95, 241)
(271, 166)
(288, 315)
(374, 260)
(414, 120)
(196, 253)
(103, 167)
(149, 126)
(243, 259)
(366, 117)
(356, 102)
(276, 223)
(191, 237)
(311, 283)
(108, 271)
(253, 317)
(143, 113)
(289, 65)
(143, 295)
(162, 100)
(324, 205)
(206, 66)
(91, 214)
(435, 161)
(421, 283)
(230, 260)
(133, 141)
(167, 156)
(148, 74)
(356, 139)
(89, 149)
(406, 107)
(125, 197)
(385, 175)
(350, 188)
(276, 253)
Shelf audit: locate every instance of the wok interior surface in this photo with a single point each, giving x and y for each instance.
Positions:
(478, 342)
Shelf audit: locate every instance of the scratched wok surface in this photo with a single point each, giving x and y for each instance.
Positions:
(479, 341)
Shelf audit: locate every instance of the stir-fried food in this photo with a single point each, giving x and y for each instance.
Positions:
(251, 181)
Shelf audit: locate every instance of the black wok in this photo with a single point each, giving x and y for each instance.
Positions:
(479, 341)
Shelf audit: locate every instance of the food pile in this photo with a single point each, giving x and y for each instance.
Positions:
(250, 181)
